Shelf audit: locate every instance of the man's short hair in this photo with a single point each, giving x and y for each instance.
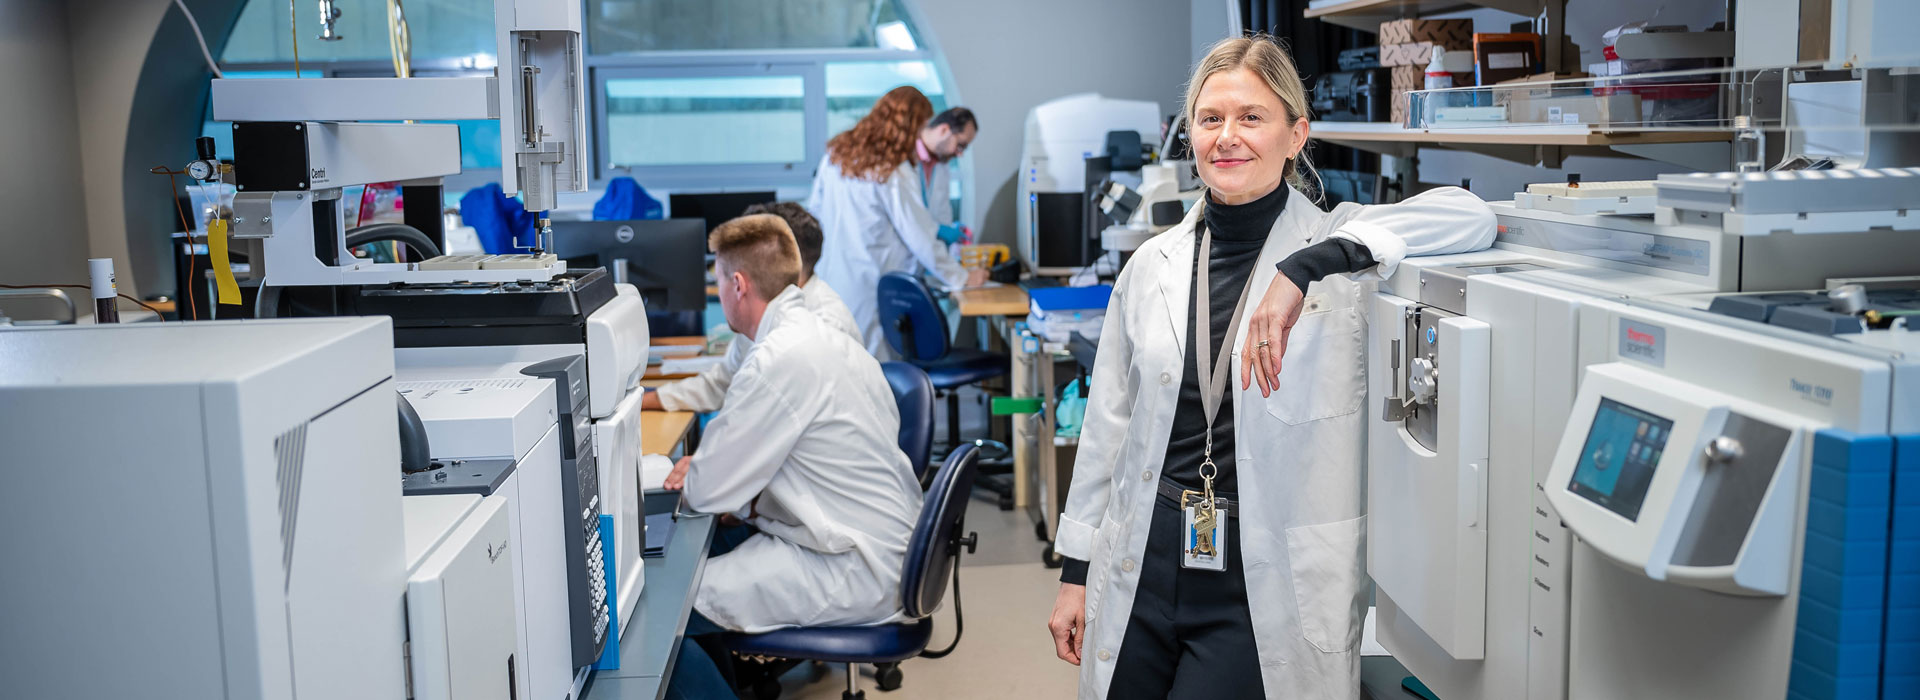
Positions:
(761, 247)
(806, 229)
(958, 118)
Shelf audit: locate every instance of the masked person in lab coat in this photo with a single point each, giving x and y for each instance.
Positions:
(805, 449)
(944, 139)
(872, 211)
(704, 392)
(1269, 601)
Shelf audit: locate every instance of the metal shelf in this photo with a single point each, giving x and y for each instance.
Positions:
(1366, 15)
(1703, 150)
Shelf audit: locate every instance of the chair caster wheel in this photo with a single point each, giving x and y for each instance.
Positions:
(1052, 559)
(888, 676)
(1006, 501)
(1040, 530)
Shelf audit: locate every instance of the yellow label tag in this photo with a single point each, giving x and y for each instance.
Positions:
(228, 290)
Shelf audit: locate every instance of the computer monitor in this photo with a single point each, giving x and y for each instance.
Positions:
(716, 207)
(665, 258)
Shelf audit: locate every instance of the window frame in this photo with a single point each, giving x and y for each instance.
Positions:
(810, 64)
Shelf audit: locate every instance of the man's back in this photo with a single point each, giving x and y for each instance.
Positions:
(806, 449)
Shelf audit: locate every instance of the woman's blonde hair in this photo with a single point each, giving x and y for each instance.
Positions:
(1262, 55)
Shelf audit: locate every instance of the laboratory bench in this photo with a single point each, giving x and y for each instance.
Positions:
(651, 644)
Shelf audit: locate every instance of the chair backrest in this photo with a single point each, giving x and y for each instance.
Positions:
(913, 393)
(930, 554)
(913, 322)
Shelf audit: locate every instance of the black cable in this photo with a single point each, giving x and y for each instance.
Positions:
(408, 235)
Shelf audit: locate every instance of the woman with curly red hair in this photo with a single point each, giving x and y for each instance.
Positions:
(870, 210)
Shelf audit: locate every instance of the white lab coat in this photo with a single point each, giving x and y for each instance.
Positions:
(871, 229)
(1299, 453)
(937, 196)
(705, 391)
(806, 448)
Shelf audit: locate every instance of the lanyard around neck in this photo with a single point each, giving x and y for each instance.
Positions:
(1213, 370)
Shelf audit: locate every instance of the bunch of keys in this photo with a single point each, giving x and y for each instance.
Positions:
(1205, 537)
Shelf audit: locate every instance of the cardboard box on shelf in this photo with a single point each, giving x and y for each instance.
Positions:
(1499, 57)
(1619, 109)
(1451, 33)
(1420, 52)
(1405, 79)
(1535, 86)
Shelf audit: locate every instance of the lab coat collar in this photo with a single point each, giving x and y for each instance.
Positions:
(790, 300)
(1176, 285)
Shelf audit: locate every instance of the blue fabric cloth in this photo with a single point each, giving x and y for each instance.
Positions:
(499, 220)
(626, 200)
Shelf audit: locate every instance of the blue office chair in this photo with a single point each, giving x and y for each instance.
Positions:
(913, 393)
(917, 330)
(933, 555)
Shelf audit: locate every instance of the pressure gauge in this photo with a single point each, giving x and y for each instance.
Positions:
(203, 170)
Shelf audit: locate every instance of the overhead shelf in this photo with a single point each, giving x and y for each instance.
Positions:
(1366, 15)
(1505, 136)
(1531, 144)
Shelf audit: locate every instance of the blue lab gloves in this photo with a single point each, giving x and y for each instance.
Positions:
(626, 200)
(498, 219)
(951, 234)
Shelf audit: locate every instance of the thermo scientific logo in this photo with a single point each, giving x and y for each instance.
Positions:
(1822, 395)
(1644, 342)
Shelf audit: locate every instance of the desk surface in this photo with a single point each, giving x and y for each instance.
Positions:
(660, 431)
(652, 643)
(653, 371)
(1004, 300)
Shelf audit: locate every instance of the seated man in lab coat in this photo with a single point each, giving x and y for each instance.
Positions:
(703, 392)
(805, 449)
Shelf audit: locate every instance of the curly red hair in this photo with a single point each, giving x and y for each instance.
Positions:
(883, 139)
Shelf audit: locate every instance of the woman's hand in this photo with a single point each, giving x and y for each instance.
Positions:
(1069, 622)
(976, 277)
(677, 479)
(1270, 322)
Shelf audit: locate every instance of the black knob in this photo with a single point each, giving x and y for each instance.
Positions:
(204, 145)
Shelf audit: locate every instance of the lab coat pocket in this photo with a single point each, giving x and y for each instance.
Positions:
(1328, 581)
(1101, 565)
(1320, 373)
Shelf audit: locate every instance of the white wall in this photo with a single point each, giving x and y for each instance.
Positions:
(40, 188)
(108, 42)
(1006, 56)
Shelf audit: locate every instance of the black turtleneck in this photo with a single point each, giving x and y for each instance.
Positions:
(1239, 234)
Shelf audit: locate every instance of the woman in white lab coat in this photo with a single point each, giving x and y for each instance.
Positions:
(869, 205)
(1268, 602)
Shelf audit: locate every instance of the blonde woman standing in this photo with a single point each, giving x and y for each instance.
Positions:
(1215, 534)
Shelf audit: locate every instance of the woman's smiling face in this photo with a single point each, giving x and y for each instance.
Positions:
(1243, 137)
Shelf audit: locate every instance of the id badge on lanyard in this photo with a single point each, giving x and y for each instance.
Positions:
(1206, 537)
(1203, 542)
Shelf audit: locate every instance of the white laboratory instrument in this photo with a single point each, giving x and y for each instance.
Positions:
(215, 508)
(476, 416)
(462, 632)
(1733, 487)
(1052, 186)
(1147, 211)
(1476, 362)
(612, 334)
(298, 143)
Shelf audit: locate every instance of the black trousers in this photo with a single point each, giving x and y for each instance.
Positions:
(1190, 634)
